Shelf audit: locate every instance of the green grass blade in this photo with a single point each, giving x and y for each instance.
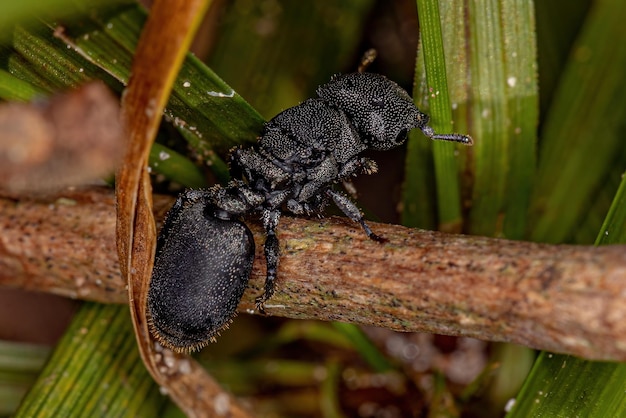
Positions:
(22, 356)
(444, 160)
(364, 346)
(520, 69)
(504, 115)
(207, 111)
(614, 227)
(555, 41)
(92, 369)
(490, 114)
(175, 167)
(20, 364)
(587, 230)
(419, 198)
(501, 58)
(210, 115)
(584, 130)
(41, 59)
(418, 190)
(564, 386)
(12, 12)
(13, 88)
(286, 59)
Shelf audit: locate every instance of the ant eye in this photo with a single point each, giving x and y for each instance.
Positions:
(401, 137)
(378, 103)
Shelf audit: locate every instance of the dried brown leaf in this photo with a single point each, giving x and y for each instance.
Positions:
(161, 49)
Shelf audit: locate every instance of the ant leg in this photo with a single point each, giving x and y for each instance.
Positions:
(272, 256)
(251, 164)
(353, 212)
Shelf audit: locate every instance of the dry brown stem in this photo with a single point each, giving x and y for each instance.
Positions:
(158, 57)
(568, 299)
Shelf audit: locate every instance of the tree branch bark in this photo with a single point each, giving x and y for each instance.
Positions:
(567, 299)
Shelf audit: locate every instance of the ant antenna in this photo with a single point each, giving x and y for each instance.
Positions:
(463, 139)
(368, 57)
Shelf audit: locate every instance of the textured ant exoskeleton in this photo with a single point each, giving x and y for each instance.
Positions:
(205, 252)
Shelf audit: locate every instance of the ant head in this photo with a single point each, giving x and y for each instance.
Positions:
(381, 110)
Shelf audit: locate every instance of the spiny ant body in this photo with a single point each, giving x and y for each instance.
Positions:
(205, 253)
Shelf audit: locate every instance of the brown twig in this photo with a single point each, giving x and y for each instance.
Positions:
(568, 299)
